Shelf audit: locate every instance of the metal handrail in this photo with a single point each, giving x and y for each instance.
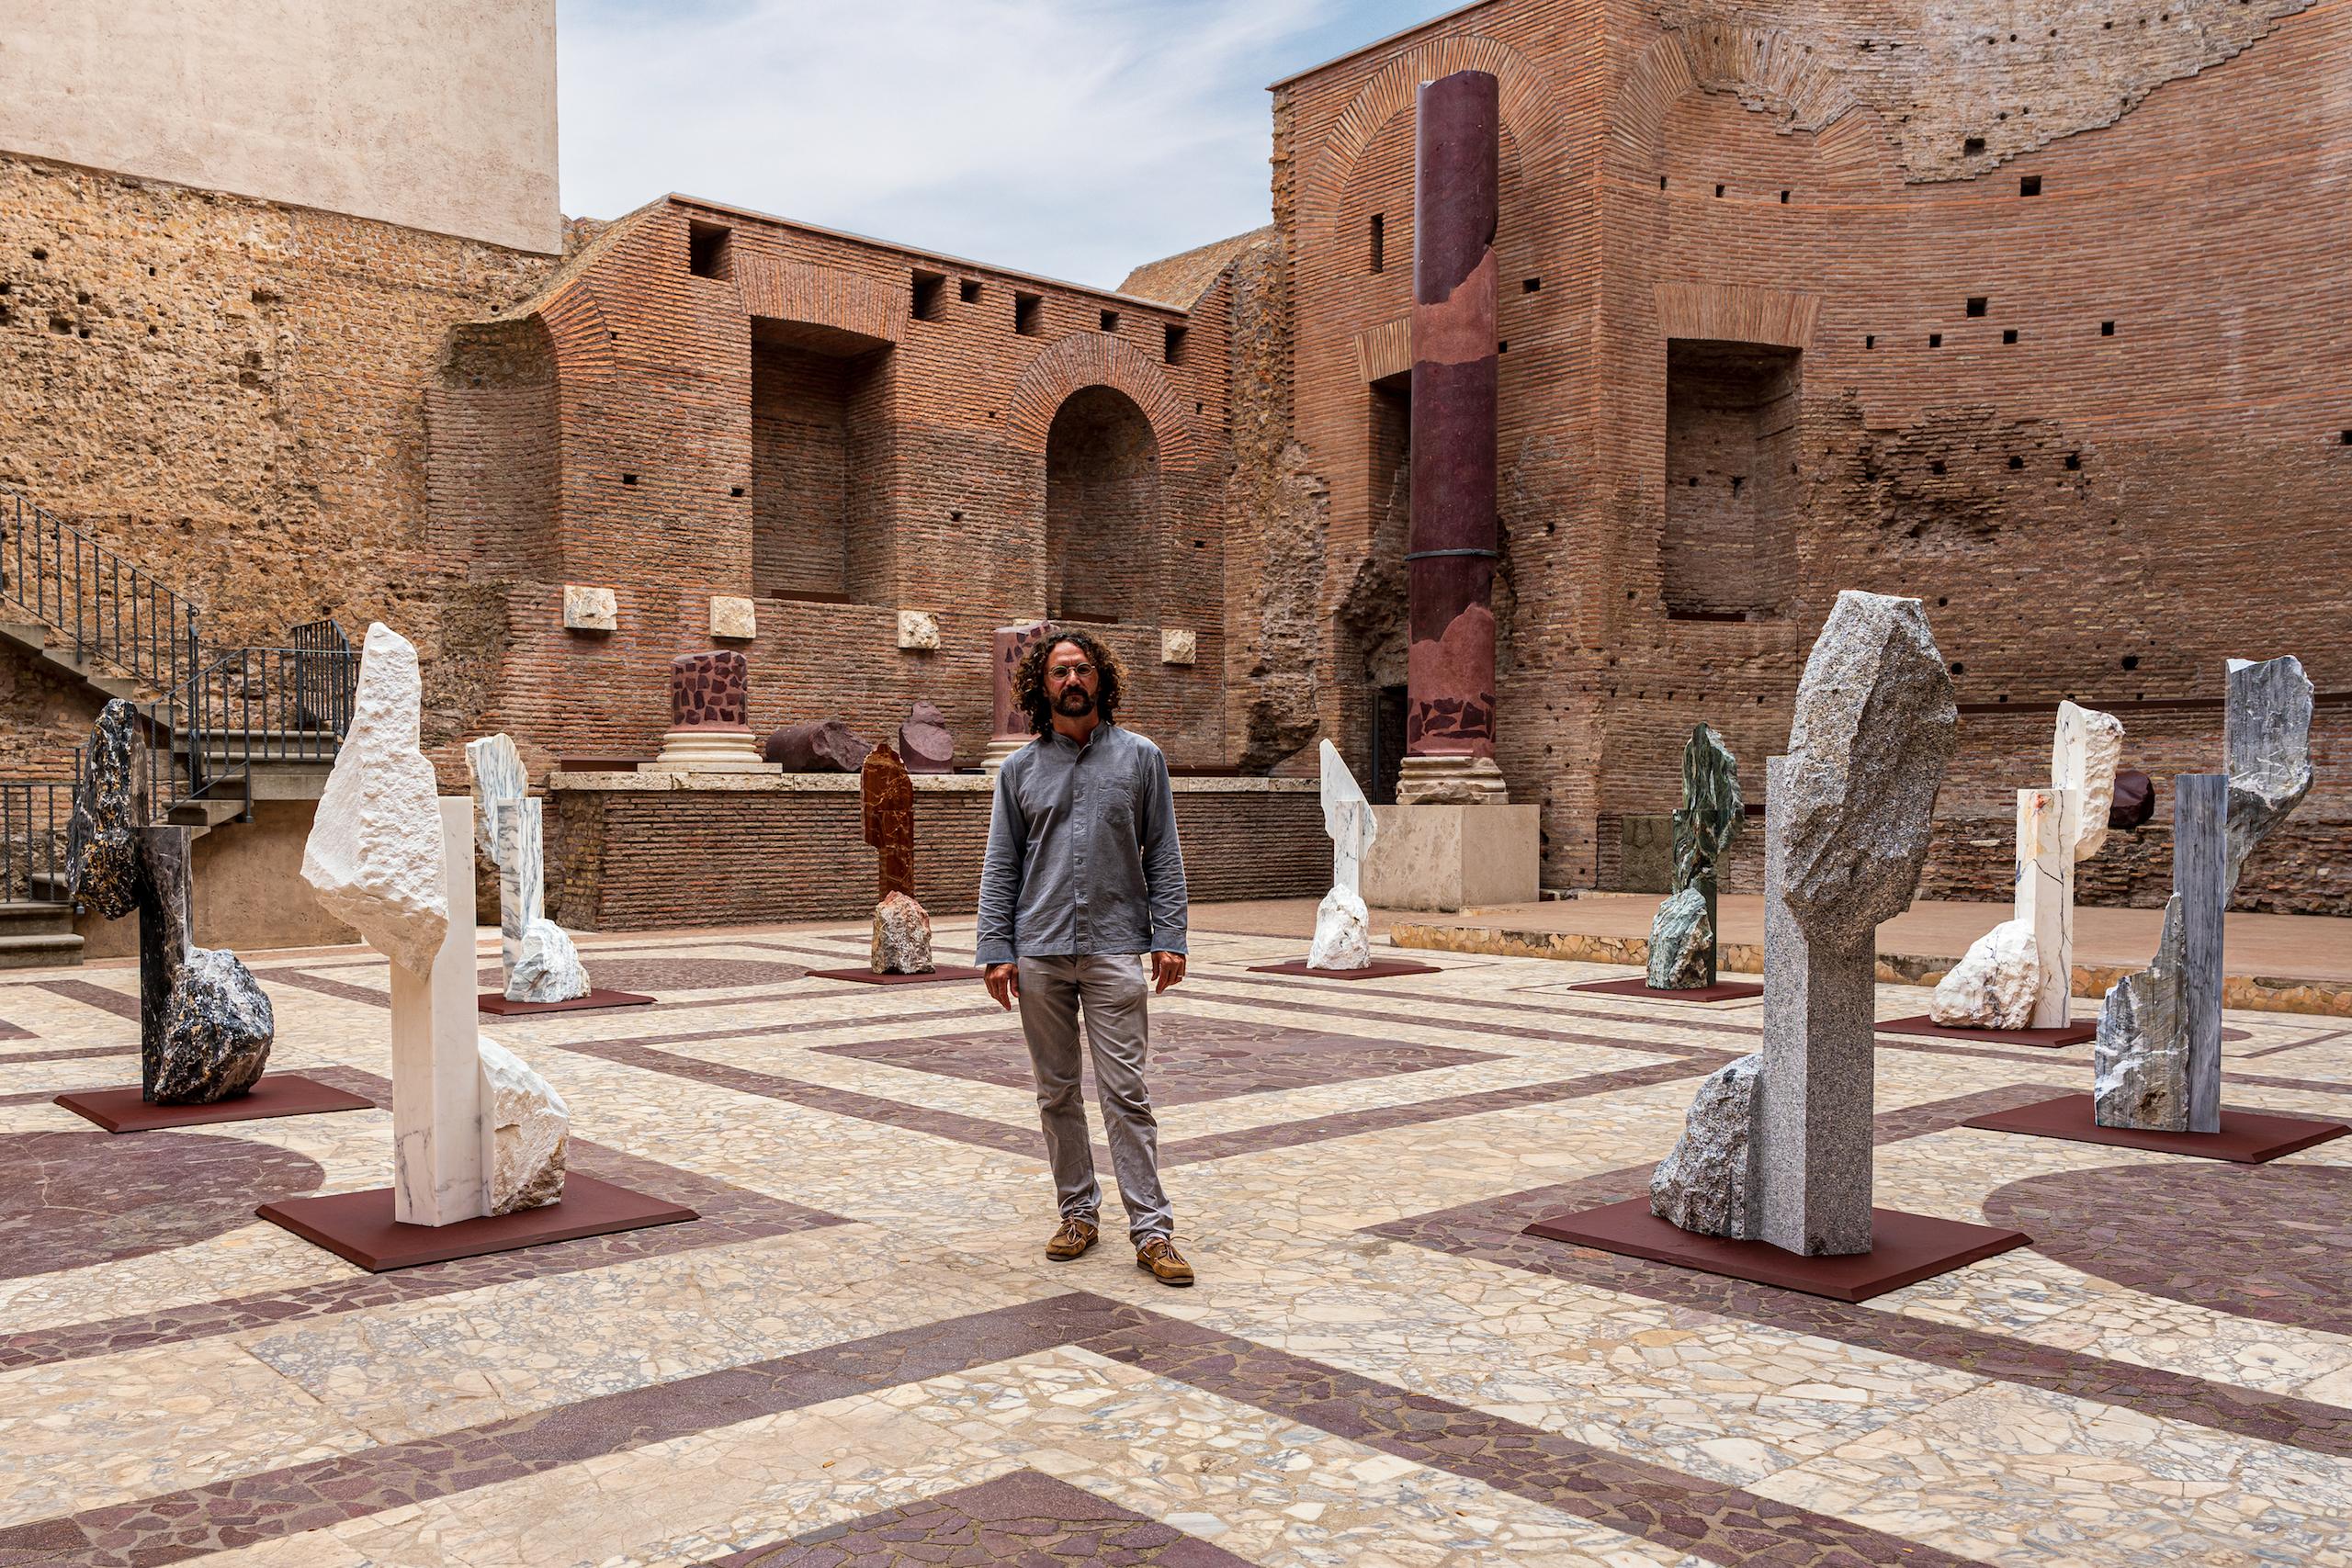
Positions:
(248, 706)
(36, 827)
(113, 609)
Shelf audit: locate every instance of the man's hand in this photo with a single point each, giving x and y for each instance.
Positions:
(1004, 983)
(1167, 968)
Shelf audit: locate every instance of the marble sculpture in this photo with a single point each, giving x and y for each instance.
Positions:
(1684, 936)
(2020, 973)
(925, 743)
(474, 1131)
(1778, 1144)
(536, 959)
(901, 929)
(1343, 925)
(205, 1025)
(2158, 1061)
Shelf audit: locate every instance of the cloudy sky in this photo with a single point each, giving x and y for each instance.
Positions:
(1073, 137)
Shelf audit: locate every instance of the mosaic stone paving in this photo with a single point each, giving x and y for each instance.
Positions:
(859, 1354)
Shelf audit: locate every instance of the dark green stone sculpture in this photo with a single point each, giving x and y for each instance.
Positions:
(1683, 936)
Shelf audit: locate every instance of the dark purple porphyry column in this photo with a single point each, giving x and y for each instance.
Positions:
(1450, 713)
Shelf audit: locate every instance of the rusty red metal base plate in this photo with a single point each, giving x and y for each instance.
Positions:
(2072, 1035)
(1904, 1249)
(358, 1226)
(493, 1002)
(1721, 991)
(2247, 1137)
(274, 1094)
(868, 978)
(1379, 969)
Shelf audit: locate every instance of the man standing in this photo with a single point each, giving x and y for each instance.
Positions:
(1082, 878)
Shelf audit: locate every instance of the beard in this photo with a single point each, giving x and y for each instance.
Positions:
(1076, 702)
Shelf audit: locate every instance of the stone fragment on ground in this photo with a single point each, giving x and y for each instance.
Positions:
(1994, 985)
(218, 1028)
(901, 936)
(530, 1129)
(819, 746)
(374, 853)
(548, 968)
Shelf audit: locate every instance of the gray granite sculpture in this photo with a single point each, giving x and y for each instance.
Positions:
(1778, 1147)
(1684, 935)
(2158, 1060)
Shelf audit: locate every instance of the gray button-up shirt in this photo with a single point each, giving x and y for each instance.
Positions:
(1083, 856)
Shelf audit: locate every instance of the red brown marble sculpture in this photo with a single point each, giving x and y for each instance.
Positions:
(709, 691)
(1450, 667)
(889, 800)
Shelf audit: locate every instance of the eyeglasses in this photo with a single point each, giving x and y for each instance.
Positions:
(1071, 671)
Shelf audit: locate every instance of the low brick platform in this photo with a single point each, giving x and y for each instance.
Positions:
(645, 851)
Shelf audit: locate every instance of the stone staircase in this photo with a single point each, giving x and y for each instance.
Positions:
(38, 934)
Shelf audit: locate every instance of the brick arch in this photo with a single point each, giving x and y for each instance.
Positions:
(1767, 70)
(1528, 108)
(1098, 359)
(820, 296)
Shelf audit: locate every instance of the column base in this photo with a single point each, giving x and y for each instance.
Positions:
(1452, 780)
(709, 751)
(1451, 857)
(999, 748)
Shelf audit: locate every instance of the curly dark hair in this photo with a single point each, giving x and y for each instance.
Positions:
(1029, 692)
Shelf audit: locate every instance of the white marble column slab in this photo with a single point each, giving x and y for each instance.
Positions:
(2049, 823)
(522, 890)
(440, 1138)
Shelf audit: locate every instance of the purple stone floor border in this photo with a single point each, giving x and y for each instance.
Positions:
(1489, 1231)
(99, 997)
(730, 1216)
(1712, 1520)
(14, 1032)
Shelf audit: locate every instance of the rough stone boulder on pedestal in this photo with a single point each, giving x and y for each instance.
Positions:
(2266, 731)
(924, 741)
(547, 968)
(901, 936)
(1993, 986)
(1681, 942)
(1708, 1183)
(1342, 933)
(1875, 726)
(217, 1031)
(374, 853)
(530, 1127)
(104, 870)
(821, 746)
(2140, 1064)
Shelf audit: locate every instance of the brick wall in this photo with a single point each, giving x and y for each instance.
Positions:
(635, 859)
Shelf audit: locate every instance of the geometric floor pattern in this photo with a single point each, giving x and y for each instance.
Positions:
(859, 1354)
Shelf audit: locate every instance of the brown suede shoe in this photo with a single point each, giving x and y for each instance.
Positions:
(1166, 1264)
(1072, 1240)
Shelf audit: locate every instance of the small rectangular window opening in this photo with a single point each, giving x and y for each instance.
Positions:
(1379, 241)
(1174, 352)
(1972, 146)
(1028, 314)
(929, 287)
(1976, 303)
(1934, 340)
(2008, 335)
(1530, 285)
(1784, 198)
(707, 250)
(2028, 184)
(2107, 329)
(967, 289)
(1869, 340)
(1110, 320)
(1719, 190)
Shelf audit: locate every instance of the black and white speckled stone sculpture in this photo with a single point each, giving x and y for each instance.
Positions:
(217, 1031)
(104, 873)
(1848, 830)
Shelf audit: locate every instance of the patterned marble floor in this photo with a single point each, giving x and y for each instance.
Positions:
(859, 1354)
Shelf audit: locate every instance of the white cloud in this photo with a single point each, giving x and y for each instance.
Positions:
(1074, 138)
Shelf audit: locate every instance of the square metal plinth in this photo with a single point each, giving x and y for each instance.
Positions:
(2247, 1137)
(358, 1226)
(2049, 1039)
(274, 1094)
(866, 976)
(1379, 969)
(1721, 991)
(495, 1003)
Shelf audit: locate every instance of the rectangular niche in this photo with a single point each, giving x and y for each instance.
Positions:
(1729, 552)
(817, 418)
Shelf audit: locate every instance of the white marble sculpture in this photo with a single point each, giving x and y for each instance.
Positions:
(1343, 925)
(395, 860)
(537, 958)
(2058, 825)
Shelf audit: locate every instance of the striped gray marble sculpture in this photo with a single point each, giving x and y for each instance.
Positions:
(1777, 1146)
(2158, 1060)
(536, 956)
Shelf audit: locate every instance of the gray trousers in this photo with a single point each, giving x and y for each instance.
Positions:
(1114, 991)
